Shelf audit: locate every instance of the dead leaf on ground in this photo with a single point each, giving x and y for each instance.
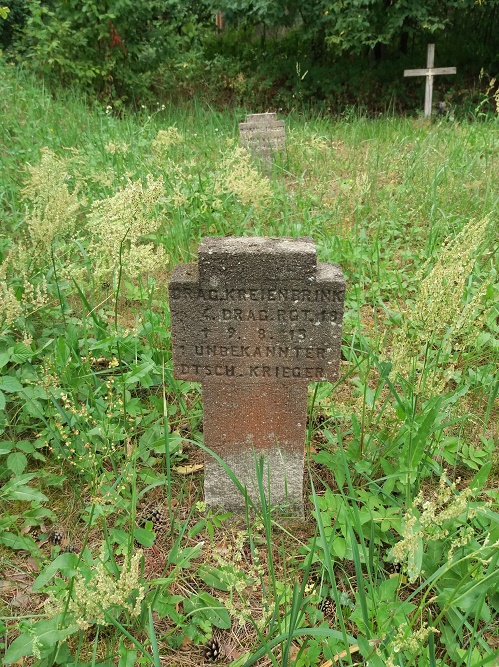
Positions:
(31, 564)
(232, 653)
(6, 586)
(344, 654)
(21, 601)
(18, 578)
(188, 470)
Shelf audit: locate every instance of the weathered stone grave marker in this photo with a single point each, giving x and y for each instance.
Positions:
(255, 321)
(263, 135)
(429, 73)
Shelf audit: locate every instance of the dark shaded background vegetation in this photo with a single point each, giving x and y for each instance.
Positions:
(332, 55)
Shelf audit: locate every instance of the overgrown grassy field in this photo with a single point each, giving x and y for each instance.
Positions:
(108, 555)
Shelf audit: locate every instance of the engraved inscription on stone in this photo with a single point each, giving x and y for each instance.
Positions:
(276, 331)
(254, 321)
(262, 134)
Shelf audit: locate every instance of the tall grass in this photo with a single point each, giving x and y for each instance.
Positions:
(396, 563)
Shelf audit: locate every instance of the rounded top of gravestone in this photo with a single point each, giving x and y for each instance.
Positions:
(257, 257)
(255, 117)
(249, 244)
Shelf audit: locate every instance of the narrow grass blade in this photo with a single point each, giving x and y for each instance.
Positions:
(153, 640)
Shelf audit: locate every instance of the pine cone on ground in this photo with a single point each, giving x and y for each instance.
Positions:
(159, 518)
(56, 537)
(212, 650)
(327, 607)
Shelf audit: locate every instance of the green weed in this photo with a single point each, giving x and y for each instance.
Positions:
(101, 448)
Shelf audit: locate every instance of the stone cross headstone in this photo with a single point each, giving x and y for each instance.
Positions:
(429, 73)
(256, 320)
(263, 135)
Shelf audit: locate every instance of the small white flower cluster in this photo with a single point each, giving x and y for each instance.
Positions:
(104, 593)
(439, 314)
(117, 225)
(53, 209)
(34, 295)
(238, 579)
(411, 640)
(165, 139)
(10, 307)
(429, 520)
(113, 148)
(240, 177)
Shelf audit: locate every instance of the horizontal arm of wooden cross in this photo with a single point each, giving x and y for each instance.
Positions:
(431, 71)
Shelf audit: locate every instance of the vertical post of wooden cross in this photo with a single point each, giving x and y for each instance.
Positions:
(256, 320)
(429, 73)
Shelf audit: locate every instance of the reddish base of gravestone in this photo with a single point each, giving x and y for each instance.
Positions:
(242, 426)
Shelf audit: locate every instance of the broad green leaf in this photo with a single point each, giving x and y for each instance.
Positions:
(40, 513)
(2, 401)
(20, 353)
(63, 352)
(34, 408)
(17, 542)
(20, 647)
(183, 557)
(339, 547)
(7, 520)
(10, 384)
(63, 655)
(451, 444)
(478, 481)
(127, 656)
(415, 558)
(17, 462)
(25, 446)
(213, 610)
(387, 589)
(213, 577)
(166, 604)
(197, 528)
(420, 440)
(140, 374)
(65, 563)
(20, 480)
(144, 537)
(47, 634)
(16, 490)
(35, 392)
(6, 446)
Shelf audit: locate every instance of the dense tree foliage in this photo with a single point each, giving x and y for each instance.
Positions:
(113, 45)
(352, 25)
(274, 52)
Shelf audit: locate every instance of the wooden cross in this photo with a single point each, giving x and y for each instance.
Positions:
(429, 73)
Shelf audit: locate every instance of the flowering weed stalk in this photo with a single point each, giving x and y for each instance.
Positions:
(439, 327)
(93, 422)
